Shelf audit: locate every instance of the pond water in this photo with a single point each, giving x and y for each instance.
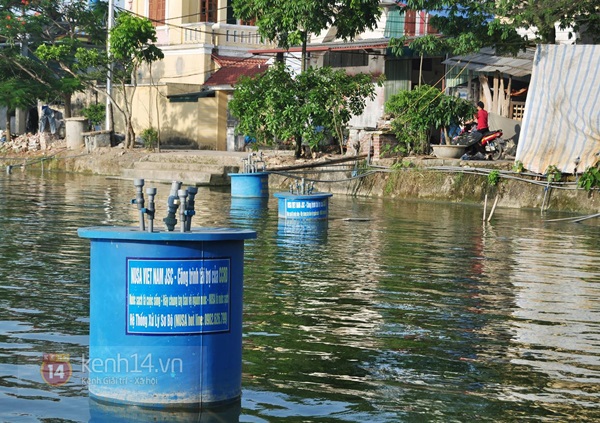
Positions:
(393, 311)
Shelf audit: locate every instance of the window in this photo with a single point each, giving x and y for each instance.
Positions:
(208, 11)
(156, 12)
(345, 59)
(201, 11)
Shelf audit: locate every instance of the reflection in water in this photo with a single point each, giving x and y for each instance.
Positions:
(110, 413)
(411, 312)
(556, 329)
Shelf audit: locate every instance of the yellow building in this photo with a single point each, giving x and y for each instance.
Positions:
(185, 95)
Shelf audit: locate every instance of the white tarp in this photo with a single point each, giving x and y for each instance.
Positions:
(562, 115)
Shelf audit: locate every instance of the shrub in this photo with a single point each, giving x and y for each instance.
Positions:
(150, 138)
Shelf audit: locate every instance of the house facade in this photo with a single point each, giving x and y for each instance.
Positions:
(370, 53)
(185, 95)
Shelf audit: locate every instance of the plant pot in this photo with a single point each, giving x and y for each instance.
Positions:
(448, 151)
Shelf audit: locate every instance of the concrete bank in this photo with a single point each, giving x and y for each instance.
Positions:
(415, 178)
(447, 180)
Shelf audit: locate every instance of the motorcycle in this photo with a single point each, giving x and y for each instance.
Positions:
(491, 145)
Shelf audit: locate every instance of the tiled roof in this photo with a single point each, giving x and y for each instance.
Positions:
(232, 68)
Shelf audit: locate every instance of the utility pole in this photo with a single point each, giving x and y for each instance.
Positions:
(109, 25)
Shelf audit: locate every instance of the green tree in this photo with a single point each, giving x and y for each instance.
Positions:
(416, 113)
(28, 24)
(21, 84)
(469, 25)
(275, 105)
(69, 26)
(266, 106)
(131, 46)
(332, 98)
(289, 23)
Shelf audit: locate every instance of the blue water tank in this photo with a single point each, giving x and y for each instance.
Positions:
(303, 206)
(249, 185)
(165, 316)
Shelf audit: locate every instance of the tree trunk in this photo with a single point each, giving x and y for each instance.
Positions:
(8, 128)
(485, 88)
(495, 97)
(507, 101)
(67, 100)
(157, 108)
(501, 97)
(298, 151)
(421, 70)
(304, 54)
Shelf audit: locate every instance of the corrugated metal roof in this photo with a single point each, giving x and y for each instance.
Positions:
(487, 61)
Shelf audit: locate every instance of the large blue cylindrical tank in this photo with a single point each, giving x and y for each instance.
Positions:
(254, 184)
(303, 206)
(165, 316)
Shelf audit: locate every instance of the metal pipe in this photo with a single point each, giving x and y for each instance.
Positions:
(182, 193)
(189, 207)
(139, 200)
(151, 192)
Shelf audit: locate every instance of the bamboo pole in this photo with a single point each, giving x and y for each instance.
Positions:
(493, 208)
(485, 207)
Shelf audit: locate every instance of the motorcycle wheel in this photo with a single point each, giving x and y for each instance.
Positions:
(498, 154)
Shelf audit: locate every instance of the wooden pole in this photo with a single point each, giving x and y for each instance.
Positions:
(485, 207)
(493, 208)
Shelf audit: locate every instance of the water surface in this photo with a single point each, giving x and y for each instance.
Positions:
(416, 312)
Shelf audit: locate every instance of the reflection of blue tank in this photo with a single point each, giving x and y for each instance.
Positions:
(250, 185)
(166, 316)
(107, 413)
(248, 208)
(301, 232)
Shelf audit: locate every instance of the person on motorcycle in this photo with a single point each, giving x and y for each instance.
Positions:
(482, 128)
(482, 120)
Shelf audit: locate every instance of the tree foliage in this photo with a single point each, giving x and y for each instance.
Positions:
(289, 23)
(275, 105)
(469, 25)
(131, 46)
(33, 24)
(21, 84)
(416, 113)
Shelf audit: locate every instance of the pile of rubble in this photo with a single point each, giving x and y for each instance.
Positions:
(42, 141)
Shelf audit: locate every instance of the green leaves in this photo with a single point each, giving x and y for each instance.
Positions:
(589, 179)
(275, 105)
(414, 113)
(132, 39)
(283, 21)
(469, 25)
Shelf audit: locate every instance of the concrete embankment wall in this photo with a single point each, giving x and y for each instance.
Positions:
(452, 185)
(418, 180)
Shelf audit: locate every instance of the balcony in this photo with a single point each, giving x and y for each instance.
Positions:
(220, 35)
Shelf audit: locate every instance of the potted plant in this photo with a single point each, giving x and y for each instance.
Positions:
(95, 114)
(416, 113)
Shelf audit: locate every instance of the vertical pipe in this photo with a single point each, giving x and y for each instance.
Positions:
(172, 204)
(190, 207)
(139, 200)
(151, 192)
(109, 25)
(182, 193)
